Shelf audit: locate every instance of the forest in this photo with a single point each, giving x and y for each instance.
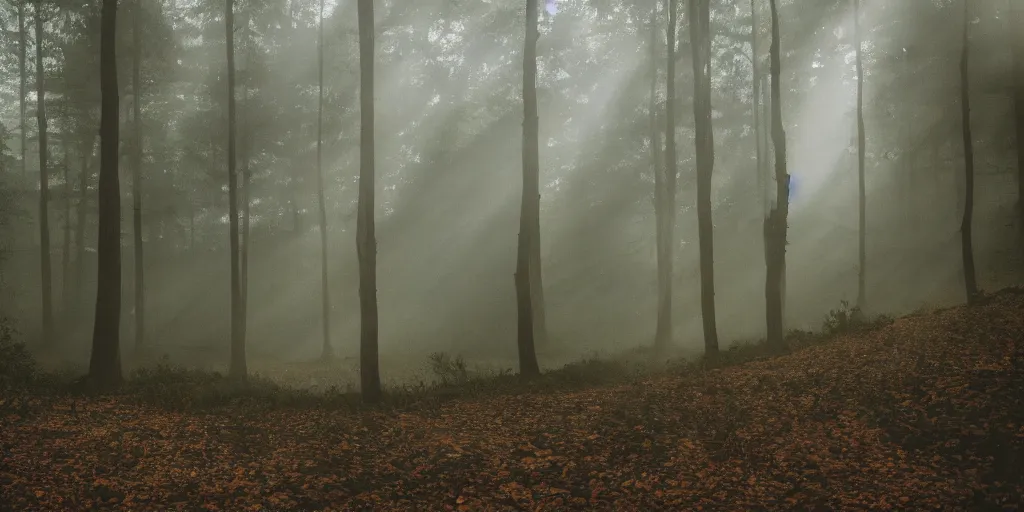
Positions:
(506, 255)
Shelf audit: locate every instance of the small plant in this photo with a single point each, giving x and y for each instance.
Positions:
(449, 370)
(844, 319)
(17, 367)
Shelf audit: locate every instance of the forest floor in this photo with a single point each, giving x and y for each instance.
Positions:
(926, 413)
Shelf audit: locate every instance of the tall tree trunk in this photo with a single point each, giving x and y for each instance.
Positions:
(88, 145)
(237, 369)
(1017, 47)
(775, 224)
(704, 140)
(755, 63)
(44, 185)
(366, 238)
(105, 362)
(528, 367)
(326, 352)
(65, 273)
(967, 252)
(861, 148)
(657, 166)
(244, 152)
(663, 335)
(140, 298)
(23, 86)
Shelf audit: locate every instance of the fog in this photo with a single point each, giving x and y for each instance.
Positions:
(449, 177)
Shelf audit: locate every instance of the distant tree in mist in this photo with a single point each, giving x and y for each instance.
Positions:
(530, 207)
(44, 183)
(775, 224)
(23, 85)
(140, 288)
(666, 200)
(704, 140)
(861, 143)
(1016, 34)
(105, 361)
(366, 238)
(325, 298)
(237, 369)
(966, 247)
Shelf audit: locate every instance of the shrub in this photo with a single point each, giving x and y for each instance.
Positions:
(842, 320)
(449, 370)
(17, 367)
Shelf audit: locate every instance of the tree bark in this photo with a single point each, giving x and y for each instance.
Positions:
(105, 362)
(366, 239)
(23, 86)
(775, 224)
(861, 153)
(530, 206)
(326, 351)
(704, 140)
(44, 186)
(1017, 47)
(967, 252)
(663, 335)
(657, 168)
(237, 370)
(65, 282)
(246, 188)
(140, 298)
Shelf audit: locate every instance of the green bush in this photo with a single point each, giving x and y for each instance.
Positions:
(842, 320)
(449, 370)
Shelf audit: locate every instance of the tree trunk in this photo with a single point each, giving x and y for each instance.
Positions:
(23, 86)
(105, 362)
(663, 335)
(326, 352)
(861, 149)
(659, 174)
(65, 273)
(88, 145)
(967, 252)
(1017, 47)
(366, 239)
(237, 369)
(755, 62)
(44, 185)
(704, 140)
(529, 211)
(244, 152)
(140, 299)
(775, 224)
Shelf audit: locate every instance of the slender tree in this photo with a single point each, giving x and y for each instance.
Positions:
(861, 148)
(1017, 48)
(530, 206)
(704, 140)
(775, 224)
(105, 362)
(140, 298)
(44, 184)
(325, 297)
(246, 188)
(657, 167)
(663, 335)
(967, 251)
(366, 238)
(237, 369)
(65, 265)
(23, 85)
(755, 63)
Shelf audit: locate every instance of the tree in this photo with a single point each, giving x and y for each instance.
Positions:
(105, 362)
(237, 369)
(663, 334)
(967, 251)
(775, 224)
(23, 85)
(366, 239)
(755, 104)
(44, 184)
(656, 162)
(704, 140)
(1017, 48)
(140, 299)
(861, 143)
(325, 291)
(530, 207)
